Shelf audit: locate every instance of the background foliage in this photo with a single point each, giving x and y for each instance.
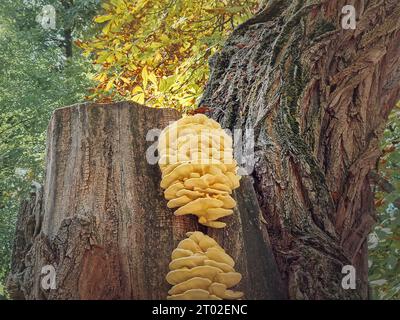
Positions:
(36, 76)
(156, 52)
(153, 52)
(384, 242)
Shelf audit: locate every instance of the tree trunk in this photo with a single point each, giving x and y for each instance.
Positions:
(68, 43)
(68, 40)
(102, 222)
(318, 97)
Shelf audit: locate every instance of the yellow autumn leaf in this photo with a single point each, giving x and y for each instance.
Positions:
(126, 80)
(110, 84)
(153, 79)
(100, 77)
(139, 98)
(107, 28)
(101, 19)
(136, 90)
(145, 76)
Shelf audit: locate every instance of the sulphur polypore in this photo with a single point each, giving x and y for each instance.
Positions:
(198, 169)
(201, 270)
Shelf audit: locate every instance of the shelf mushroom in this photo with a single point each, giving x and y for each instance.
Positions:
(198, 169)
(201, 270)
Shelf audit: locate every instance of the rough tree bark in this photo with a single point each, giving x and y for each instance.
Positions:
(318, 97)
(102, 222)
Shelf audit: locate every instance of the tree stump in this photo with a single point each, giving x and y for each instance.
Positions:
(101, 220)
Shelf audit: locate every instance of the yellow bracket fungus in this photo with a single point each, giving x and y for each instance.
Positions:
(201, 270)
(198, 169)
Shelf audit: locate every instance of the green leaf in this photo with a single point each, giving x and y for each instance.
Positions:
(166, 83)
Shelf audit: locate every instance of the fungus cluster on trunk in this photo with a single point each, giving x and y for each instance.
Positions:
(198, 169)
(198, 176)
(202, 270)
